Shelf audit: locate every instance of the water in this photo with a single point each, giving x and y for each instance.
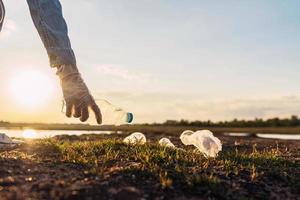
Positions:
(20, 133)
(267, 135)
(279, 136)
(237, 134)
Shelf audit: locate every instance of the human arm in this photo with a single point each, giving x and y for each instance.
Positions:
(52, 28)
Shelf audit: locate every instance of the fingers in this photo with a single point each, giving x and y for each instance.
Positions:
(81, 110)
(84, 113)
(77, 111)
(69, 109)
(97, 112)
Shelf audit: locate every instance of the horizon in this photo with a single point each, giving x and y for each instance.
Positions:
(193, 60)
(292, 117)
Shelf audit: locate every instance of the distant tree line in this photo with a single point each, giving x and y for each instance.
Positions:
(293, 121)
(3, 123)
(273, 122)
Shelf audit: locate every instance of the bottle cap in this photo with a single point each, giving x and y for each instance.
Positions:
(129, 117)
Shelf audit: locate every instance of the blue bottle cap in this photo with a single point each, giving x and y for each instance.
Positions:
(129, 117)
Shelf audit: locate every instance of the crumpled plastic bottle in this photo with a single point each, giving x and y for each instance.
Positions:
(185, 137)
(166, 143)
(204, 140)
(135, 138)
(6, 141)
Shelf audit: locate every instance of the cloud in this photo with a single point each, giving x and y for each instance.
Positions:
(122, 73)
(150, 107)
(9, 27)
(246, 108)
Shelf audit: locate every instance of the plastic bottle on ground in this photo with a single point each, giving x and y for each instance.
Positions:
(166, 143)
(6, 141)
(204, 140)
(135, 138)
(185, 137)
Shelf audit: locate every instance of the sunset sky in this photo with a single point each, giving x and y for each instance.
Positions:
(161, 59)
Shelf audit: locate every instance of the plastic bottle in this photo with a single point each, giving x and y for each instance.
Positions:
(165, 142)
(203, 140)
(6, 141)
(135, 138)
(111, 115)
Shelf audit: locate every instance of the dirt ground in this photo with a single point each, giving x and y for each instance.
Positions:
(28, 174)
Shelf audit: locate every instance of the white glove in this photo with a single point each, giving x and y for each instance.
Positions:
(76, 94)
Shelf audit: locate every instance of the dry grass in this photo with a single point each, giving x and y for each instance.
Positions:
(101, 168)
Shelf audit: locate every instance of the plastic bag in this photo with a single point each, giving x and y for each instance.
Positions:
(204, 140)
(135, 138)
(166, 143)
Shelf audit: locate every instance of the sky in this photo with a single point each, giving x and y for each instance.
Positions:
(163, 59)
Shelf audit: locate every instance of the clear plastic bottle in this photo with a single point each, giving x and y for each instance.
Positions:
(111, 115)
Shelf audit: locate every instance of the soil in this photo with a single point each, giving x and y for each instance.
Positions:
(22, 177)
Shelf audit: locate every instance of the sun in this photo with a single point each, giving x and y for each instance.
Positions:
(29, 134)
(31, 88)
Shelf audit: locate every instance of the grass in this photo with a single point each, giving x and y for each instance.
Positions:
(162, 172)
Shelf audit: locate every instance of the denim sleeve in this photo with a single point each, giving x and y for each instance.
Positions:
(48, 19)
(2, 14)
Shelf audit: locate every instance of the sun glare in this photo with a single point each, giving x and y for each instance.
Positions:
(29, 134)
(31, 88)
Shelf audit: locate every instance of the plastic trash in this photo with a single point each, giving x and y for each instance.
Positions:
(135, 138)
(204, 140)
(185, 137)
(6, 141)
(111, 115)
(166, 143)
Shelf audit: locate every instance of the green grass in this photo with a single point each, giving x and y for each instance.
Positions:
(234, 174)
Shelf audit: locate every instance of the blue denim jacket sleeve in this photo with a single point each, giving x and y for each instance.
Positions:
(48, 19)
(2, 14)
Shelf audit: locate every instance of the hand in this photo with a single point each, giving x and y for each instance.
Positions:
(76, 94)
